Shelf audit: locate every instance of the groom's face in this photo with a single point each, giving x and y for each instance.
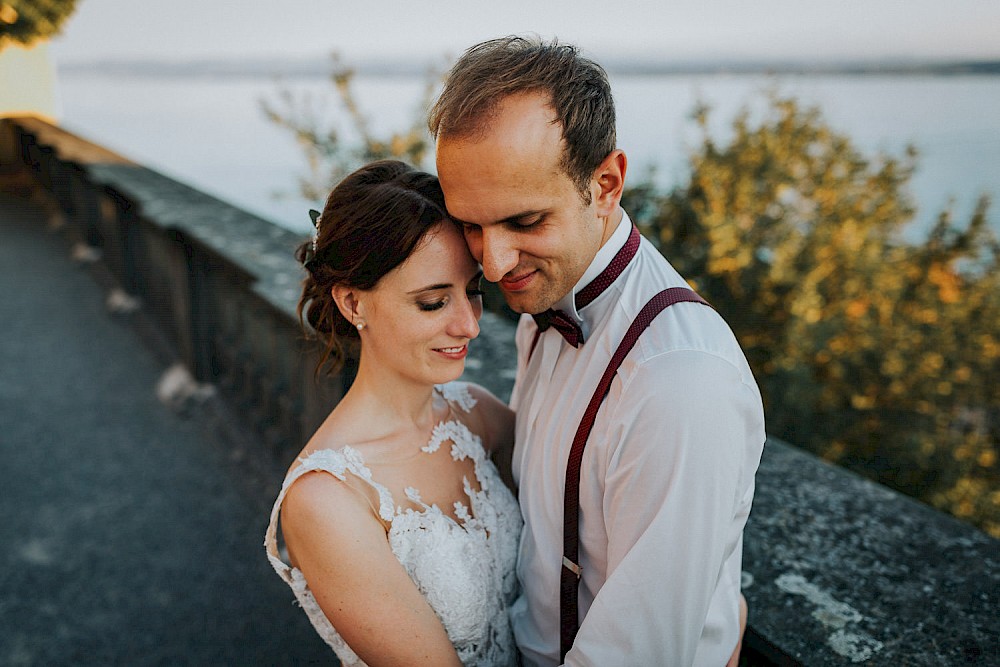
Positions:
(524, 218)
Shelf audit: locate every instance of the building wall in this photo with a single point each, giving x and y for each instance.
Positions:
(28, 82)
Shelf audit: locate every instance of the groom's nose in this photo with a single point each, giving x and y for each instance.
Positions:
(498, 252)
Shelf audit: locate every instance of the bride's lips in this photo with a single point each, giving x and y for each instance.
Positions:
(456, 352)
(516, 283)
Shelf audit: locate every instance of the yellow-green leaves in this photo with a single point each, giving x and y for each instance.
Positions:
(873, 351)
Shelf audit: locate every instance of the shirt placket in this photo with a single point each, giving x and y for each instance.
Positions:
(547, 351)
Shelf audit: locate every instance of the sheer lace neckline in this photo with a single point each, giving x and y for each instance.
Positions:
(464, 445)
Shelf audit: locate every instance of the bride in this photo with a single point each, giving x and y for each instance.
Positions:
(401, 538)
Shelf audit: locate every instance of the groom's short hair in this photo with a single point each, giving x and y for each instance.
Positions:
(491, 71)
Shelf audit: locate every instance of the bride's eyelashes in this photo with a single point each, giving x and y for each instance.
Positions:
(472, 291)
(434, 305)
(437, 305)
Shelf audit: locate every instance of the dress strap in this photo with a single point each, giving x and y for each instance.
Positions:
(337, 463)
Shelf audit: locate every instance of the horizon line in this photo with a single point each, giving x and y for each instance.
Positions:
(622, 65)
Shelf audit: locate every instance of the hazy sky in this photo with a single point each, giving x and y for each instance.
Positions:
(671, 29)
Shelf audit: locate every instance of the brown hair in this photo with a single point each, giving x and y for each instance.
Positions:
(579, 91)
(372, 221)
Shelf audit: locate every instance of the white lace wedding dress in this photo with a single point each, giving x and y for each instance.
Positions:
(465, 569)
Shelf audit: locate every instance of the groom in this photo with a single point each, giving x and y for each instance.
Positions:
(648, 569)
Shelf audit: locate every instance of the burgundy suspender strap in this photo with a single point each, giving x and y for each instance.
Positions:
(571, 572)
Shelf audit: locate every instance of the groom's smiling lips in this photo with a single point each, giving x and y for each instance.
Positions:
(516, 283)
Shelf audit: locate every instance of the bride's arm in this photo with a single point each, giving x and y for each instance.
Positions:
(341, 547)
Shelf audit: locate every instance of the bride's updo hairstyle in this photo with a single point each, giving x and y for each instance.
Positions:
(372, 221)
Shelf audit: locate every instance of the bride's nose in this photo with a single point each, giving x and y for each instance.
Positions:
(465, 321)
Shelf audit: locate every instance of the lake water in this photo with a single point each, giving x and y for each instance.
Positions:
(210, 132)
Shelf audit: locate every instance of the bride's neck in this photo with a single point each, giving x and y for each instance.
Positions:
(392, 402)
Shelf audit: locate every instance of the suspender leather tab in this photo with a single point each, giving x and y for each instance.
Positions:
(570, 571)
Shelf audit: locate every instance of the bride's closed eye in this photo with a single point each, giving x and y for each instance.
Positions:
(433, 305)
(473, 292)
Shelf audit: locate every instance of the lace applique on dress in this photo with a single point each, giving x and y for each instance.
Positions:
(458, 393)
(347, 459)
(464, 568)
(450, 430)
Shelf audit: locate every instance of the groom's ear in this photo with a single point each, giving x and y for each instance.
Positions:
(608, 182)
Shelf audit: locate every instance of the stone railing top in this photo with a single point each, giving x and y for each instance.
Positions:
(841, 570)
(259, 247)
(71, 147)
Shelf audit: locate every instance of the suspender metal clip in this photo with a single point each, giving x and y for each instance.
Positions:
(572, 567)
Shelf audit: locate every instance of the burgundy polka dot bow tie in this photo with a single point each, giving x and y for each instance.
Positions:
(565, 324)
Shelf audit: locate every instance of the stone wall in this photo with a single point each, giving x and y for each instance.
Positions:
(838, 570)
(219, 283)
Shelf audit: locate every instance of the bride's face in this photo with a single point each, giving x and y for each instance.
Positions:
(420, 316)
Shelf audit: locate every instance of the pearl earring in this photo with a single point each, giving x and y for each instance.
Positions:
(360, 325)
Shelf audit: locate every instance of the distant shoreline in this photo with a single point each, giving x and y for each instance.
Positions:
(322, 67)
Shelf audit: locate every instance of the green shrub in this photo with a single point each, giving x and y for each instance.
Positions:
(25, 21)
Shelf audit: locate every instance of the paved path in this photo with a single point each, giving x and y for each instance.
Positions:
(128, 534)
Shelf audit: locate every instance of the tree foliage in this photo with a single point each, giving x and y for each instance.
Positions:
(25, 21)
(329, 157)
(876, 353)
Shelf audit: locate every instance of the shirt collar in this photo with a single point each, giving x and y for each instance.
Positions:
(600, 262)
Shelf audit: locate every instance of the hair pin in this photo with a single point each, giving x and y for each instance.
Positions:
(315, 216)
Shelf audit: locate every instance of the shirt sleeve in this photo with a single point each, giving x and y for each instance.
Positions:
(686, 432)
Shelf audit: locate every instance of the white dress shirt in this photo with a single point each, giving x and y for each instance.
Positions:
(666, 481)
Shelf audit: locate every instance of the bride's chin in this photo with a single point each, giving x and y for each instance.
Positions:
(451, 374)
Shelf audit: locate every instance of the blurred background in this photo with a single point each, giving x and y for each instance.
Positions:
(178, 85)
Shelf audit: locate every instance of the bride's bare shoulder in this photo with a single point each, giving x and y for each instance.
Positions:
(327, 504)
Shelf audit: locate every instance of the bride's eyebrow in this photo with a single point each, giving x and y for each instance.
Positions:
(430, 288)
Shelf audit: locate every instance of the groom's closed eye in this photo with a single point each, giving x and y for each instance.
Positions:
(523, 220)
